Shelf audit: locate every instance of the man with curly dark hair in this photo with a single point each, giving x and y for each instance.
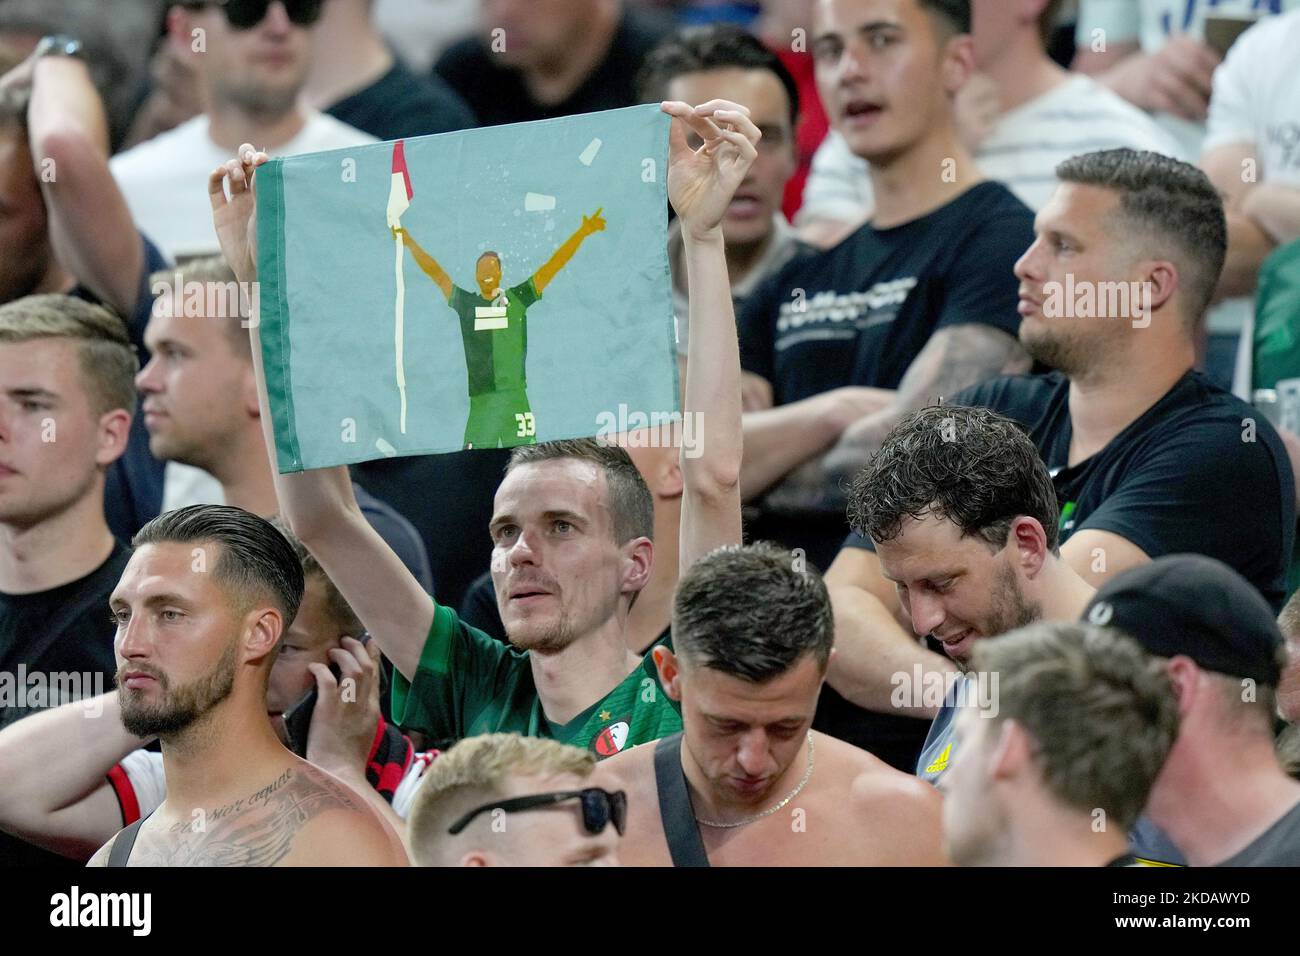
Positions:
(962, 514)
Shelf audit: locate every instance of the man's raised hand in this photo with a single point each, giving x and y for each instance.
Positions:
(702, 182)
(235, 214)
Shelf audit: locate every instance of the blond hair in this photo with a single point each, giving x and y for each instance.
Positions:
(107, 357)
(472, 773)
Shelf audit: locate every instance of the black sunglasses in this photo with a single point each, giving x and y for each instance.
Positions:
(599, 808)
(246, 14)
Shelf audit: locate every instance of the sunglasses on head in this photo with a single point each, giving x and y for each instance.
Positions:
(246, 14)
(599, 808)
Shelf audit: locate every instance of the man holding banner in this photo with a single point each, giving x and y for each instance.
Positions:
(571, 539)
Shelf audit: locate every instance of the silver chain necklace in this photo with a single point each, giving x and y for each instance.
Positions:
(771, 810)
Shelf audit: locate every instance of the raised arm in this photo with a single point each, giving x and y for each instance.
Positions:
(54, 765)
(700, 185)
(427, 262)
(90, 225)
(320, 505)
(590, 224)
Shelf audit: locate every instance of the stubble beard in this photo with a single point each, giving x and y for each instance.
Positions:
(182, 707)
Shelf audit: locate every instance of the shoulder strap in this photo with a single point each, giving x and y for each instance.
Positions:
(675, 810)
(124, 843)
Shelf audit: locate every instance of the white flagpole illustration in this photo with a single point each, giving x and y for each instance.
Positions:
(400, 195)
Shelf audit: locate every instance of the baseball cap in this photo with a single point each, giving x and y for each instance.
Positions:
(1191, 605)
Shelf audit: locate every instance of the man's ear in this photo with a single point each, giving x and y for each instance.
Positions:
(181, 24)
(1162, 279)
(958, 63)
(638, 558)
(1012, 752)
(266, 625)
(114, 433)
(670, 671)
(1030, 542)
(1186, 678)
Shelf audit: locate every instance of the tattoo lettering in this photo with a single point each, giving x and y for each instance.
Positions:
(258, 830)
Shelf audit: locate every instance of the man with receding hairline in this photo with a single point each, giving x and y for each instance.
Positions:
(200, 610)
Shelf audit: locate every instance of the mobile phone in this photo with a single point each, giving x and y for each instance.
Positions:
(297, 719)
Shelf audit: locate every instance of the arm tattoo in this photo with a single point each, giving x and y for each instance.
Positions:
(258, 830)
(955, 358)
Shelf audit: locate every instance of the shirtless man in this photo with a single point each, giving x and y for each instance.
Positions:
(752, 633)
(200, 608)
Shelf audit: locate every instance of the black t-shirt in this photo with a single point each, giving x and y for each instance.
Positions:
(1181, 478)
(400, 104)
(63, 642)
(497, 94)
(859, 313)
(133, 486)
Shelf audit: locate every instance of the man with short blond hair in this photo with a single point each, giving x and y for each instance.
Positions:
(476, 807)
(1057, 770)
(67, 399)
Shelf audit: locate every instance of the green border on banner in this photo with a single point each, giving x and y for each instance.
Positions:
(274, 321)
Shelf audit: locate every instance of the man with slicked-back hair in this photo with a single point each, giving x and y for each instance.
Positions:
(200, 610)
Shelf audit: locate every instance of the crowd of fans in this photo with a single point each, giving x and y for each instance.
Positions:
(990, 308)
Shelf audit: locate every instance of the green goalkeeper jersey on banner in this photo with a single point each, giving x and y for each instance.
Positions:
(495, 334)
(469, 684)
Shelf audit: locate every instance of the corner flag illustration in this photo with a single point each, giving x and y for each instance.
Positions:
(400, 195)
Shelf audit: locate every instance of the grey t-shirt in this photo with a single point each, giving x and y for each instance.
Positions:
(1279, 845)
(937, 751)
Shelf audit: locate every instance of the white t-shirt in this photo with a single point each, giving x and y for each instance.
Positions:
(1150, 23)
(165, 179)
(1022, 150)
(1256, 100)
(148, 783)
